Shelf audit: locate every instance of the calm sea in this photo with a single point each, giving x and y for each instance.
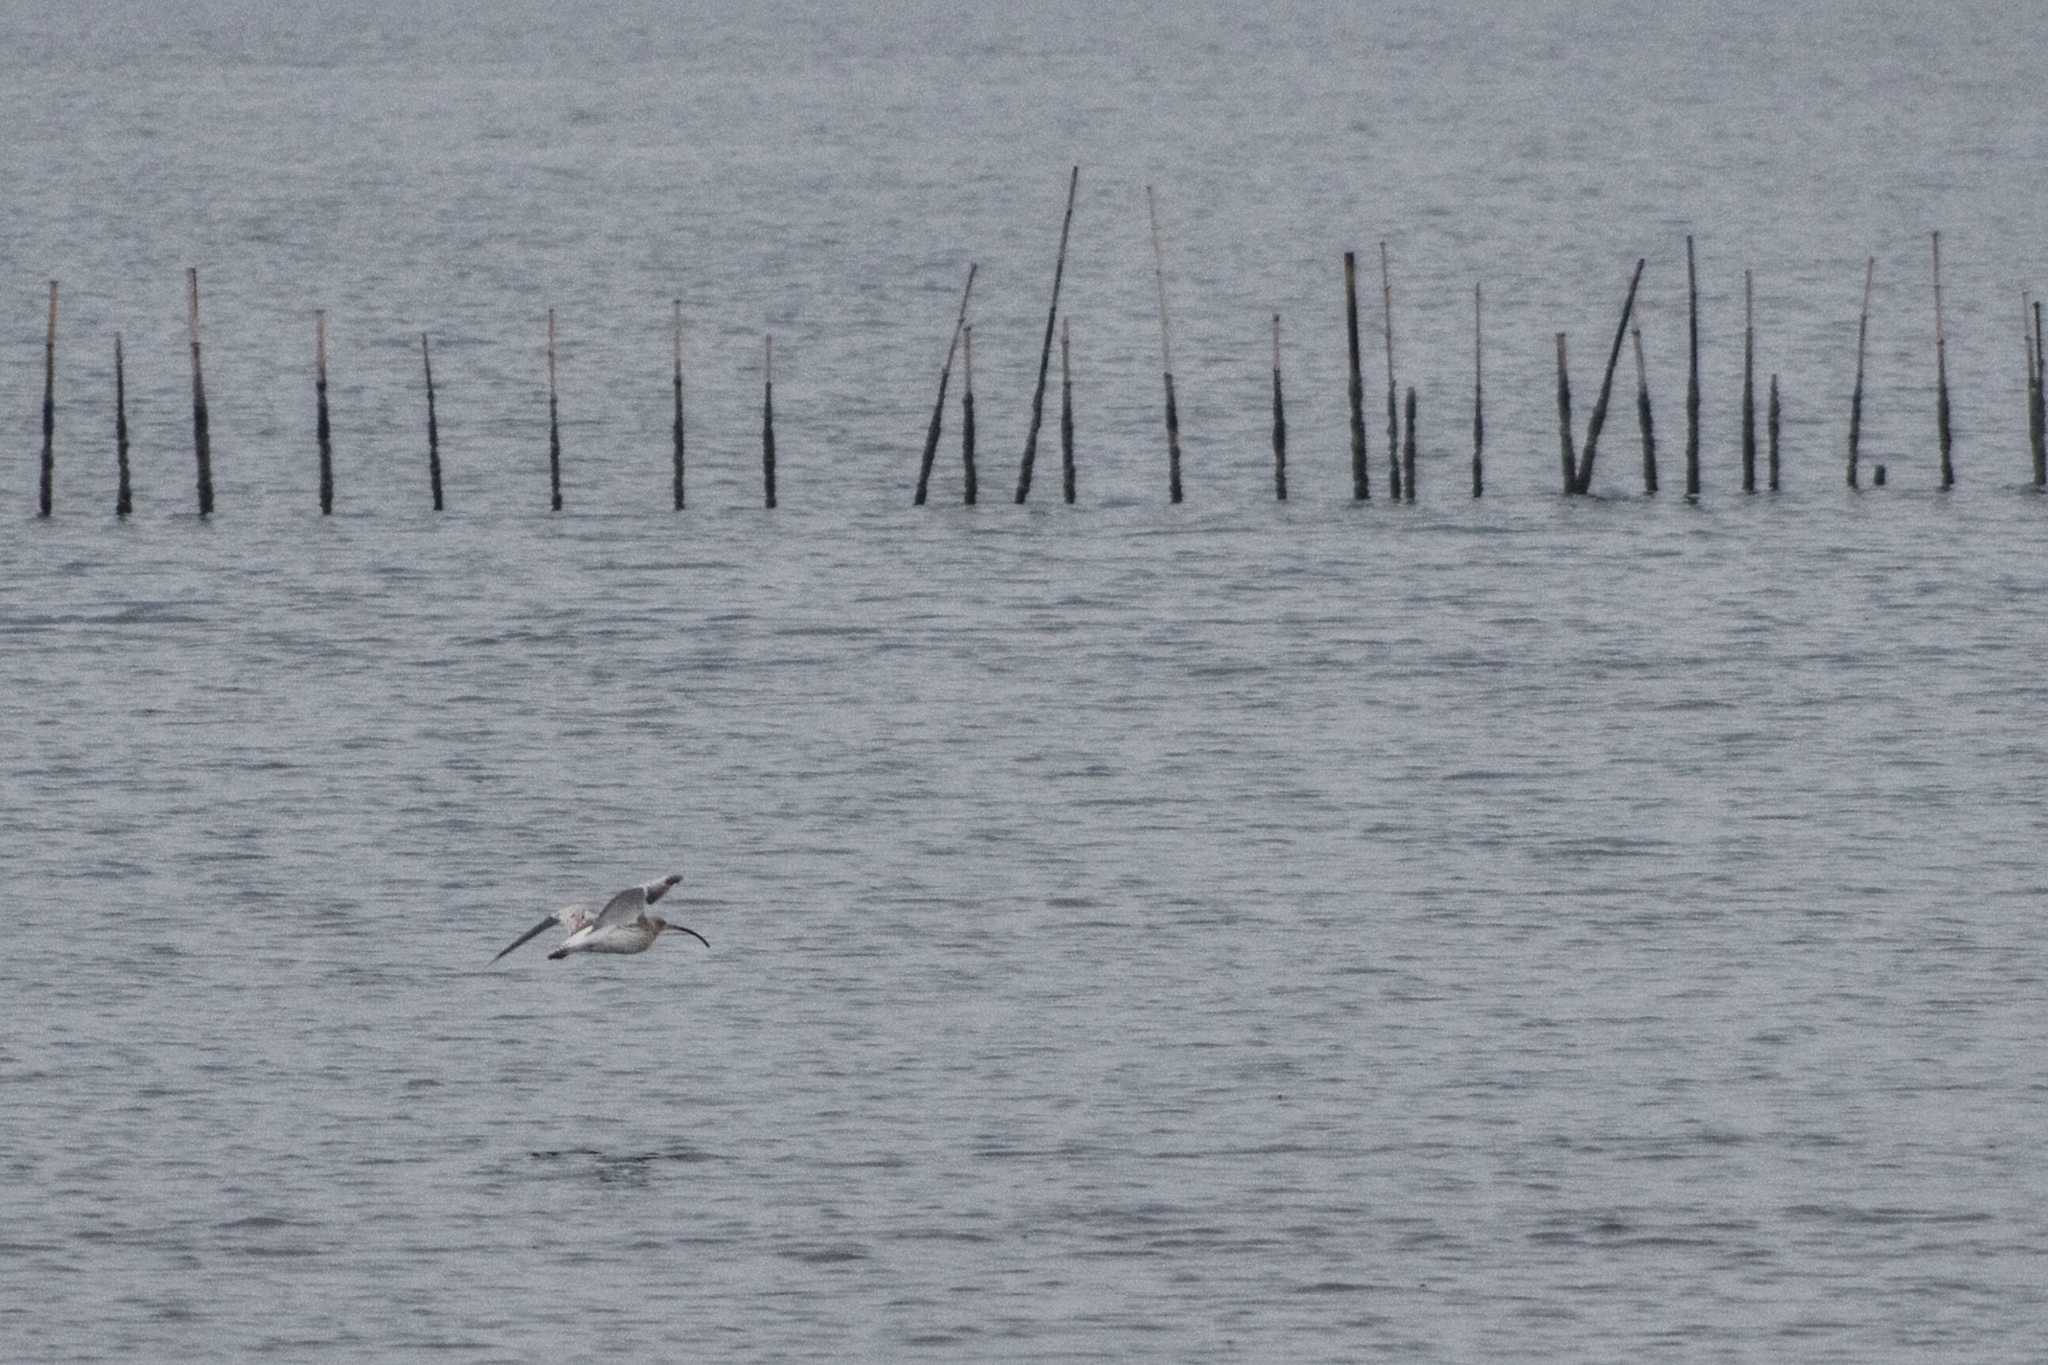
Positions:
(1517, 929)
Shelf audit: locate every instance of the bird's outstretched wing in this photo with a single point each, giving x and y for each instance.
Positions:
(570, 917)
(534, 932)
(623, 908)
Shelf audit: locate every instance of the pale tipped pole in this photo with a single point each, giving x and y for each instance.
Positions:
(1478, 400)
(554, 426)
(1643, 419)
(323, 433)
(1279, 422)
(1173, 489)
(1748, 382)
(433, 425)
(1771, 431)
(202, 441)
(1941, 405)
(1692, 379)
(1361, 482)
(49, 462)
(972, 487)
(676, 384)
(1393, 422)
(1045, 353)
(1856, 397)
(931, 435)
(768, 420)
(1066, 417)
(123, 502)
(1583, 483)
(1564, 420)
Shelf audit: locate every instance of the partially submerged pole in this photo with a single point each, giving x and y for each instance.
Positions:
(768, 420)
(202, 443)
(1361, 484)
(1393, 426)
(1478, 404)
(123, 503)
(2040, 404)
(554, 426)
(1692, 382)
(1583, 482)
(1564, 420)
(49, 464)
(1771, 429)
(1643, 419)
(1166, 355)
(1941, 408)
(677, 384)
(2033, 392)
(321, 430)
(1279, 422)
(433, 426)
(1408, 450)
(1045, 354)
(1856, 398)
(1066, 418)
(1748, 382)
(967, 421)
(931, 435)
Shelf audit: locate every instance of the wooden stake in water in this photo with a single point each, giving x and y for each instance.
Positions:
(49, 464)
(322, 431)
(1408, 450)
(768, 420)
(1564, 420)
(967, 420)
(1748, 382)
(1583, 483)
(1393, 424)
(433, 426)
(677, 384)
(1279, 422)
(1165, 354)
(1856, 398)
(1941, 408)
(1771, 430)
(1361, 484)
(202, 443)
(1059, 269)
(1478, 403)
(1066, 417)
(2040, 408)
(1692, 381)
(931, 435)
(1643, 419)
(123, 503)
(554, 425)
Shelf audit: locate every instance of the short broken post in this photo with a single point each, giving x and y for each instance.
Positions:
(1066, 418)
(1279, 422)
(322, 432)
(49, 463)
(1771, 431)
(1166, 356)
(123, 503)
(1408, 450)
(1941, 407)
(1564, 420)
(202, 441)
(972, 486)
(768, 420)
(1643, 419)
(1393, 424)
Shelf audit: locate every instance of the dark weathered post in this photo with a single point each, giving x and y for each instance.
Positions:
(1166, 355)
(322, 432)
(49, 464)
(1643, 419)
(1941, 407)
(123, 503)
(1692, 382)
(1564, 420)
(1066, 417)
(768, 420)
(554, 426)
(1856, 398)
(1583, 482)
(1478, 402)
(433, 425)
(677, 384)
(1361, 484)
(1771, 430)
(1059, 269)
(1408, 450)
(2039, 411)
(202, 442)
(1279, 422)
(1748, 382)
(931, 435)
(973, 486)
(1393, 425)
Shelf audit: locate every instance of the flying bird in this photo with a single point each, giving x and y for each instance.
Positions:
(621, 925)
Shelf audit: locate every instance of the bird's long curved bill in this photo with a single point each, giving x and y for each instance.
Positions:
(682, 927)
(534, 932)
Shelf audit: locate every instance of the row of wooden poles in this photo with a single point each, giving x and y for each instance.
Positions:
(1576, 458)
